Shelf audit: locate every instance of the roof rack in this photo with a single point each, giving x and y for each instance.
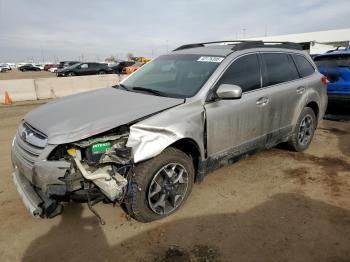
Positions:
(244, 44)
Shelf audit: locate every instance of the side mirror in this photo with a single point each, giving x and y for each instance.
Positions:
(226, 91)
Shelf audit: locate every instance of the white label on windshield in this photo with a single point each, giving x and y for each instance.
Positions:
(211, 59)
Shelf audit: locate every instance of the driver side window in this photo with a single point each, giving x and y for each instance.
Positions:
(244, 72)
(84, 66)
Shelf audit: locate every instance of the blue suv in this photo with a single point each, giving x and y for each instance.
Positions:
(335, 65)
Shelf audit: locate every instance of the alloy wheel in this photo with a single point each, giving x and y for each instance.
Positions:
(306, 129)
(168, 188)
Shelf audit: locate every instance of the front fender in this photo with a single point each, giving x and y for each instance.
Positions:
(151, 136)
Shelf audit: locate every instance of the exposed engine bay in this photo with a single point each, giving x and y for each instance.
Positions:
(99, 168)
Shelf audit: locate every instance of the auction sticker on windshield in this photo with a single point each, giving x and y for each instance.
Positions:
(212, 59)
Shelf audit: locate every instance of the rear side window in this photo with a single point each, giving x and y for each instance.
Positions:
(279, 68)
(304, 66)
(333, 61)
(244, 72)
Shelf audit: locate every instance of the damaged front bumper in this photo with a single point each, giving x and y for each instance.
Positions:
(30, 198)
(37, 203)
(37, 179)
(45, 179)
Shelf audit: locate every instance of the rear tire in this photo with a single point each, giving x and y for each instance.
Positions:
(160, 186)
(304, 131)
(101, 72)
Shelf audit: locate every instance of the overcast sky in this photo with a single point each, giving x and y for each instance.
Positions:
(95, 29)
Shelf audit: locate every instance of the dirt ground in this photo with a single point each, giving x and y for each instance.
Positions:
(274, 206)
(16, 74)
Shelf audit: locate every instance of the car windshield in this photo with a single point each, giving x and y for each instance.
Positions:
(174, 75)
(333, 61)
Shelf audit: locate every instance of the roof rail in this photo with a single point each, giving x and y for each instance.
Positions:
(245, 44)
(208, 43)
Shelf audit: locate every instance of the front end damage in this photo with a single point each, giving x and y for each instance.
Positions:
(99, 167)
(88, 171)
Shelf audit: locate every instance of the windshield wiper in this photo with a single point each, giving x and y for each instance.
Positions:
(121, 86)
(152, 91)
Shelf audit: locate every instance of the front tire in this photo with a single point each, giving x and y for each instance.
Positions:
(160, 186)
(303, 131)
(71, 74)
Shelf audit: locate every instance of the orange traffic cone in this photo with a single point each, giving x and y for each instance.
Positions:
(7, 98)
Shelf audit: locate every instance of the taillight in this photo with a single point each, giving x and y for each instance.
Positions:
(324, 80)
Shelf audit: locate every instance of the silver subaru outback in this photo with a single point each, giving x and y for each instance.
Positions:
(144, 143)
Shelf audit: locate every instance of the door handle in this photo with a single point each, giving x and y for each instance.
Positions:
(262, 101)
(300, 90)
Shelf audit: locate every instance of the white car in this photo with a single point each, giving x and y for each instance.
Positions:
(53, 69)
(5, 66)
(39, 66)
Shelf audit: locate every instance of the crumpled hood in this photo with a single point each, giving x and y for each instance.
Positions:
(80, 116)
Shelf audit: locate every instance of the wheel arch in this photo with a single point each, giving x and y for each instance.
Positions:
(314, 106)
(308, 100)
(190, 148)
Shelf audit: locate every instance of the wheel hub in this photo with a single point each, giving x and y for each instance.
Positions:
(306, 129)
(168, 188)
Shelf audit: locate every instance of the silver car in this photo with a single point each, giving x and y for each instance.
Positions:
(144, 143)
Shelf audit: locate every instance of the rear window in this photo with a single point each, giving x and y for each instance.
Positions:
(333, 61)
(305, 68)
(279, 68)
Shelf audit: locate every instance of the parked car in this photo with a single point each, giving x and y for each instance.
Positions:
(118, 68)
(65, 64)
(48, 66)
(28, 67)
(2, 69)
(40, 66)
(144, 143)
(21, 64)
(131, 69)
(53, 70)
(84, 69)
(335, 65)
(5, 66)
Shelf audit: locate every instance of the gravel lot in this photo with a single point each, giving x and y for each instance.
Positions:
(274, 206)
(16, 74)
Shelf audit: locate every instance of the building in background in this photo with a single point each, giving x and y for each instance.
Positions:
(314, 42)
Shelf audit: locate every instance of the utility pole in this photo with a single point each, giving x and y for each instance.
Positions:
(243, 32)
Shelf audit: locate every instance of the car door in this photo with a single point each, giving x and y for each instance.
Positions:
(94, 68)
(238, 125)
(83, 69)
(280, 79)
